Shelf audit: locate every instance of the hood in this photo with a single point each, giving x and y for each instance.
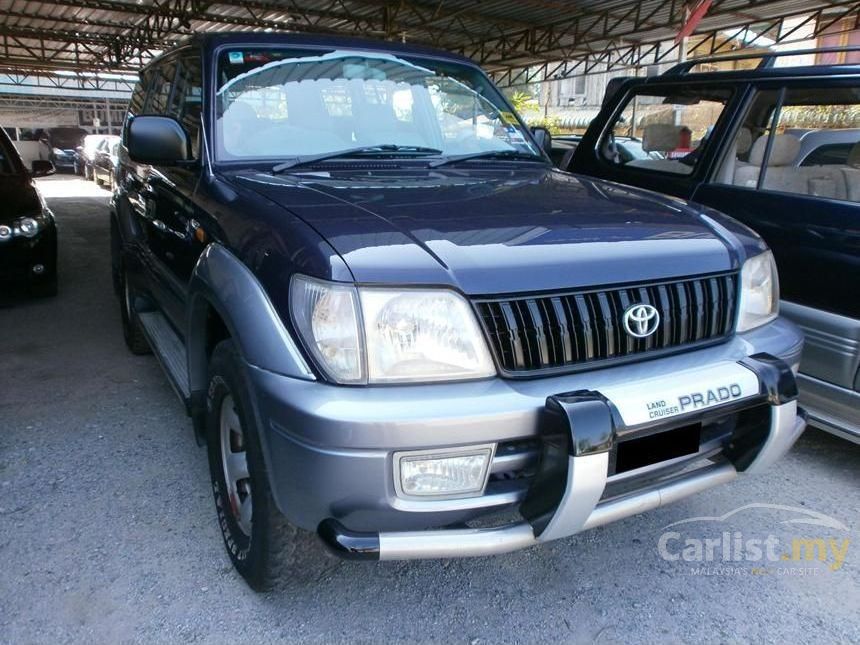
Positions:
(18, 196)
(497, 231)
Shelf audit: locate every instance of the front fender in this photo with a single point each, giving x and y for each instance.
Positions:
(222, 282)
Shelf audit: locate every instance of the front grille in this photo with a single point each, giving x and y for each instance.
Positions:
(557, 332)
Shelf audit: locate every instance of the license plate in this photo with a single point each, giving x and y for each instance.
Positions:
(694, 390)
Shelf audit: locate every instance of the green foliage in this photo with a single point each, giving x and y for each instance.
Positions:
(523, 102)
(551, 123)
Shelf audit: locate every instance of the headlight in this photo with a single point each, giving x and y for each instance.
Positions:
(759, 302)
(400, 336)
(58, 152)
(26, 226)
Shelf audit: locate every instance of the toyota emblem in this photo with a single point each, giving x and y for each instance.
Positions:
(641, 320)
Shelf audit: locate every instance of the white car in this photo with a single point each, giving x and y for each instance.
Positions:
(88, 150)
(827, 147)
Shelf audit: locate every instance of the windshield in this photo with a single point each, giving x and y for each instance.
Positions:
(276, 103)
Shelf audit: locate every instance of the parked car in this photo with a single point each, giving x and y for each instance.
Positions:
(87, 152)
(63, 143)
(388, 315)
(828, 147)
(28, 233)
(106, 162)
(809, 213)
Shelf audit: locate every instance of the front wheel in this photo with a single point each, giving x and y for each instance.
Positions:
(132, 331)
(260, 541)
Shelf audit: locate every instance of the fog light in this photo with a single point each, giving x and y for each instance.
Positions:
(449, 472)
(5, 232)
(38, 269)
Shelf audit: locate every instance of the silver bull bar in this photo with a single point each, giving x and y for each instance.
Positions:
(565, 504)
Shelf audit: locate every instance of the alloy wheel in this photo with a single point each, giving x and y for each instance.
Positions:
(234, 460)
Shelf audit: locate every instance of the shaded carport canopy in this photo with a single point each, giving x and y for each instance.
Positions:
(516, 40)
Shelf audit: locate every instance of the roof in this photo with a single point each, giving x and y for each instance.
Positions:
(501, 35)
(212, 41)
(757, 74)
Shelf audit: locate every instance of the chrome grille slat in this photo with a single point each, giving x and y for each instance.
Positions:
(532, 333)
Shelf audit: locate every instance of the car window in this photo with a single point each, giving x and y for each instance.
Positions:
(805, 140)
(665, 130)
(159, 97)
(187, 97)
(279, 103)
(833, 154)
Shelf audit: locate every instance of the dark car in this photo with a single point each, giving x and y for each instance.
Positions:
(745, 152)
(28, 234)
(106, 162)
(64, 143)
(388, 315)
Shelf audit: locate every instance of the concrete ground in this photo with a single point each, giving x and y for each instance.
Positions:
(108, 532)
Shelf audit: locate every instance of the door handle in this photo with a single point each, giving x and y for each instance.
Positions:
(161, 226)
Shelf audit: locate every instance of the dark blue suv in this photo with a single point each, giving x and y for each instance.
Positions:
(388, 315)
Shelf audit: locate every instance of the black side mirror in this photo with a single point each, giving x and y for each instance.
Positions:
(543, 138)
(42, 168)
(157, 140)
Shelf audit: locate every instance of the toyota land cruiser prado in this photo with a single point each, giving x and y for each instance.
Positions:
(388, 315)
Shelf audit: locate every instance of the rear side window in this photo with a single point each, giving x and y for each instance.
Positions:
(801, 140)
(664, 129)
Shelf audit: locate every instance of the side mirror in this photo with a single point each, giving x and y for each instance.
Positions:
(157, 140)
(42, 168)
(543, 138)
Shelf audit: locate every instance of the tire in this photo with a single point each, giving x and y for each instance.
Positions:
(263, 546)
(135, 339)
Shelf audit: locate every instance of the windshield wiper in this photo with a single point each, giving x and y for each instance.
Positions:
(488, 154)
(349, 152)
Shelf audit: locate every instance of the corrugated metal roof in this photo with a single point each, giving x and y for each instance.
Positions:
(122, 34)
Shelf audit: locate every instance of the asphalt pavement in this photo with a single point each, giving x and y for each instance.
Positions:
(108, 530)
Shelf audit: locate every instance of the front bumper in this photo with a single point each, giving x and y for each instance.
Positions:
(329, 450)
(20, 255)
(569, 492)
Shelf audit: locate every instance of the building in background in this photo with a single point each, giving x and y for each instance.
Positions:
(567, 105)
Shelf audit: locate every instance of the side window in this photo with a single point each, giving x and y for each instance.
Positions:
(138, 97)
(186, 102)
(162, 85)
(664, 130)
(137, 102)
(744, 156)
(805, 140)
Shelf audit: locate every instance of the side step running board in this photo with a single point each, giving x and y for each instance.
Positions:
(170, 351)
